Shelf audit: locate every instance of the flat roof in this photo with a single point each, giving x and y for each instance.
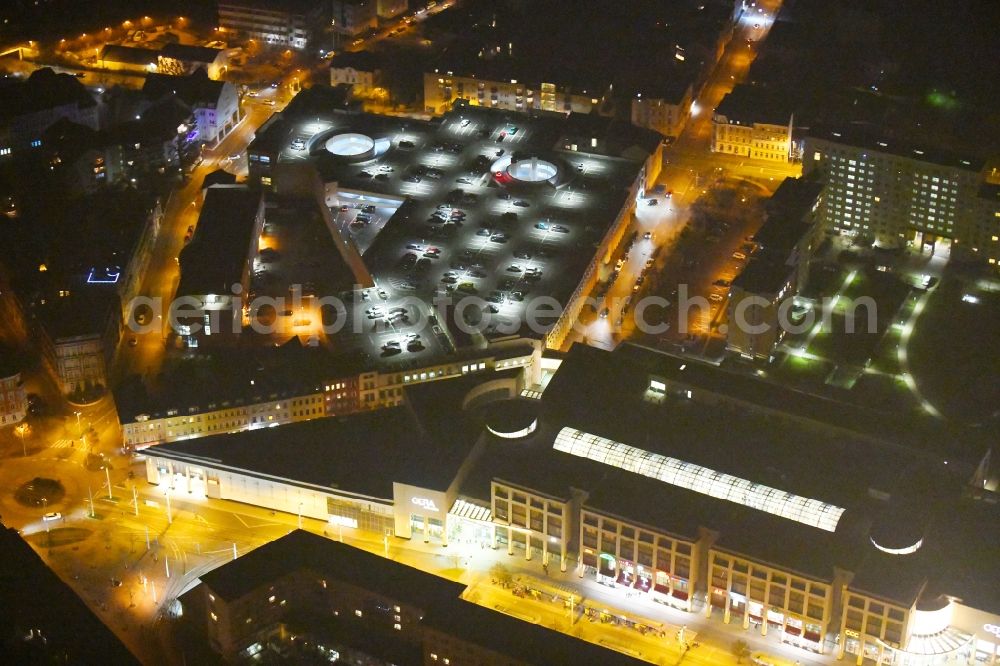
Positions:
(876, 481)
(232, 378)
(130, 55)
(44, 89)
(520, 42)
(361, 453)
(190, 53)
(747, 104)
(439, 598)
(217, 256)
(878, 141)
(451, 164)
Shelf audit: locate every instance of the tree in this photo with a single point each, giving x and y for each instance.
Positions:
(501, 574)
(741, 650)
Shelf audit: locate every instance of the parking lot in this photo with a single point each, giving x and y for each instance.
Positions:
(493, 213)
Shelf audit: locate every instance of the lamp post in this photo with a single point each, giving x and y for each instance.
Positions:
(79, 427)
(21, 431)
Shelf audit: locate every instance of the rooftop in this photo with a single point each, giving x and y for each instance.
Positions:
(455, 175)
(749, 104)
(130, 55)
(878, 142)
(440, 599)
(784, 447)
(360, 454)
(188, 53)
(41, 91)
(195, 89)
(217, 256)
(362, 61)
(519, 43)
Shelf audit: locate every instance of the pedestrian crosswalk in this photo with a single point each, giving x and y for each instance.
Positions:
(63, 443)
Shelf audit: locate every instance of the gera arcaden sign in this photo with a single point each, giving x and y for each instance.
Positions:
(992, 629)
(425, 503)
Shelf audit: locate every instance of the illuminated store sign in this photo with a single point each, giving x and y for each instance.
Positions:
(425, 503)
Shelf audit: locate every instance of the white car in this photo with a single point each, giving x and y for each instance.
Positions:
(52, 515)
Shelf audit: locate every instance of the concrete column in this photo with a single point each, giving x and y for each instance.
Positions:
(510, 541)
(861, 651)
(726, 610)
(746, 613)
(427, 536)
(841, 645)
(763, 620)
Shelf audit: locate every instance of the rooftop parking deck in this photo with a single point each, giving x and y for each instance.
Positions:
(480, 203)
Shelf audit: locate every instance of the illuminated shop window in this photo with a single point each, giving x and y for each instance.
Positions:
(699, 479)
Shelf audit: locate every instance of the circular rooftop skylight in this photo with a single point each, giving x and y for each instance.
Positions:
(532, 170)
(349, 145)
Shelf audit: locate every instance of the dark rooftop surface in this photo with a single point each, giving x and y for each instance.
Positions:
(601, 393)
(748, 104)
(41, 91)
(542, 42)
(190, 53)
(234, 378)
(132, 55)
(785, 225)
(361, 453)
(216, 257)
(362, 61)
(879, 142)
(32, 598)
(438, 597)
(195, 89)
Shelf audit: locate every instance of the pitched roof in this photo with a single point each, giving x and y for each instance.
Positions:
(129, 55)
(187, 53)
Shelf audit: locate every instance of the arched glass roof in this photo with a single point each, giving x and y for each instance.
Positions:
(699, 479)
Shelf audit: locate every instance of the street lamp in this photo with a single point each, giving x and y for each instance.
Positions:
(21, 431)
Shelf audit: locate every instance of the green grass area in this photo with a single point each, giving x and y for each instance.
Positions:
(954, 351)
(883, 393)
(802, 371)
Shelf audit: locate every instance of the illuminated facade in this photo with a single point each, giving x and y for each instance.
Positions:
(900, 196)
(442, 89)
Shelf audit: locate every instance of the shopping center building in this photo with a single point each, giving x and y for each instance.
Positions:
(842, 531)
(532, 203)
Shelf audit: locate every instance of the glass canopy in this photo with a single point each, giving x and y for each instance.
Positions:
(699, 479)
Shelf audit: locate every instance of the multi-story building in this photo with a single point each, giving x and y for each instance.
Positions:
(863, 546)
(32, 105)
(13, 399)
(761, 309)
(898, 195)
(336, 388)
(291, 23)
(656, 521)
(664, 107)
(215, 104)
(128, 59)
(80, 330)
(373, 610)
(352, 17)
(752, 122)
(216, 264)
(482, 87)
(183, 59)
(359, 69)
